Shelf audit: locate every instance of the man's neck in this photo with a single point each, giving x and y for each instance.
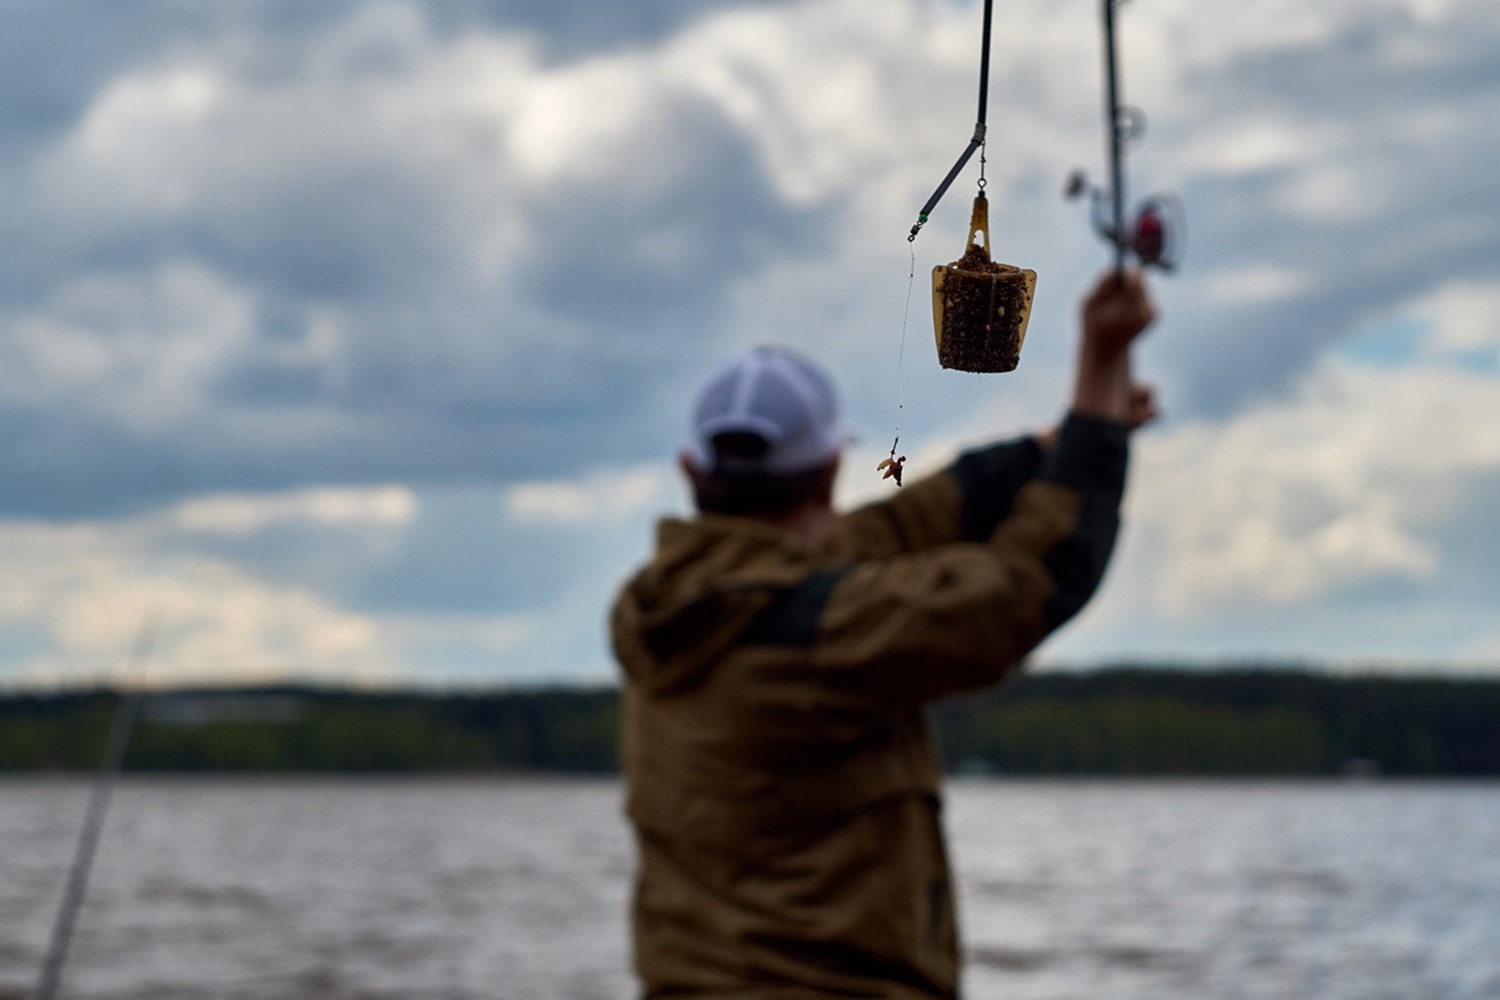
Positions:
(810, 524)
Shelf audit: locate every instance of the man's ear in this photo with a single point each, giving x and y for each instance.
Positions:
(685, 463)
(830, 476)
(693, 477)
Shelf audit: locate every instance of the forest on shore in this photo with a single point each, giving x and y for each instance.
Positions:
(1120, 721)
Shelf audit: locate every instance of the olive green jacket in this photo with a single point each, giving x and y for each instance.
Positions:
(781, 779)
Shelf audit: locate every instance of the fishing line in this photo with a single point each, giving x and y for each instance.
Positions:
(911, 278)
(892, 466)
(93, 823)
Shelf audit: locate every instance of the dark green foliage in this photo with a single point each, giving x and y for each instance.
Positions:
(1133, 720)
(1127, 721)
(55, 732)
(310, 729)
(1129, 735)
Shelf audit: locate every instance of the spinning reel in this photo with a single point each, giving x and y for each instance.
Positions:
(1156, 232)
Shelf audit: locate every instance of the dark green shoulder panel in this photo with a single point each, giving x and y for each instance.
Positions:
(792, 617)
(989, 479)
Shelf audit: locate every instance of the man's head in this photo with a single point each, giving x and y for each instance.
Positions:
(765, 437)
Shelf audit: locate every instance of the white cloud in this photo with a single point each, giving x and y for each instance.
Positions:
(825, 90)
(1465, 316)
(1333, 191)
(565, 122)
(130, 125)
(609, 496)
(468, 635)
(81, 590)
(142, 349)
(88, 591)
(76, 595)
(1334, 488)
(1252, 144)
(246, 514)
(238, 130)
(1252, 284)
(1264, 25)
(1482, 650)
(438, 169)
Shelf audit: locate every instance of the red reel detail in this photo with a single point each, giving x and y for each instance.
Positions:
(1156, 233)
(1150, 237)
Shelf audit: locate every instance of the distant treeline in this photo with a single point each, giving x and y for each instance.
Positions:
(1110, 722)
(1237, 722)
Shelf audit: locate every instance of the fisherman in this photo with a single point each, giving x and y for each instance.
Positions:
(779, 659)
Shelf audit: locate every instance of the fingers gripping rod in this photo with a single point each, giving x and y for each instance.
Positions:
(979, 127)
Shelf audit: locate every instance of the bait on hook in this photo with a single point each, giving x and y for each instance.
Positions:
(893, 466)
(980, 308)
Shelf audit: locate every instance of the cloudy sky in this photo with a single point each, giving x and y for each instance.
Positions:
(355, 339)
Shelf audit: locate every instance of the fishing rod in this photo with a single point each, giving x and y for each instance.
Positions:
(976, 141)
(93, 824)
(1155, 233)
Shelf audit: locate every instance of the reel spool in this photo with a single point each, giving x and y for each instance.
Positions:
(1155, 234)
(980, 308)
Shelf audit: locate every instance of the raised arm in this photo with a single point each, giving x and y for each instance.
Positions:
(962, 503)
(1112, 316)
(961, 616)
(969, 499)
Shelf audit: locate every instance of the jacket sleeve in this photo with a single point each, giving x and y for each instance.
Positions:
(1090, 458)
(962, 503)
(935, 622)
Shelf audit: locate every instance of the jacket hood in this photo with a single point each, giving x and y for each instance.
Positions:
(708, 580)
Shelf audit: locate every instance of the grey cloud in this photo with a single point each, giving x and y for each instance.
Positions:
(572, 30)
(459, 555)
(1388, 63)
(442, 374)
(53, 58)
(579, 351)
(1424, 227)
(1227, 356)
(706, 200)
(462, 556)
(1471, 551)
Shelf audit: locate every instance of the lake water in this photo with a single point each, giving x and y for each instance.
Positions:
(515, 889)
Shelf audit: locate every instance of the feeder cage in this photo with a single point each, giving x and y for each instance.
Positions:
(979, 307)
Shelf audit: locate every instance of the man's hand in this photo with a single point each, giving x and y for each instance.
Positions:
(1116, 312)
(1113, 314)
(1142, 411)
(1142, 406)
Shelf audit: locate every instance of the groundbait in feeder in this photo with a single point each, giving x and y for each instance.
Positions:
(980, 308)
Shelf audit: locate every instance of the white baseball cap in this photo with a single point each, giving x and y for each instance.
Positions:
(778, 396)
